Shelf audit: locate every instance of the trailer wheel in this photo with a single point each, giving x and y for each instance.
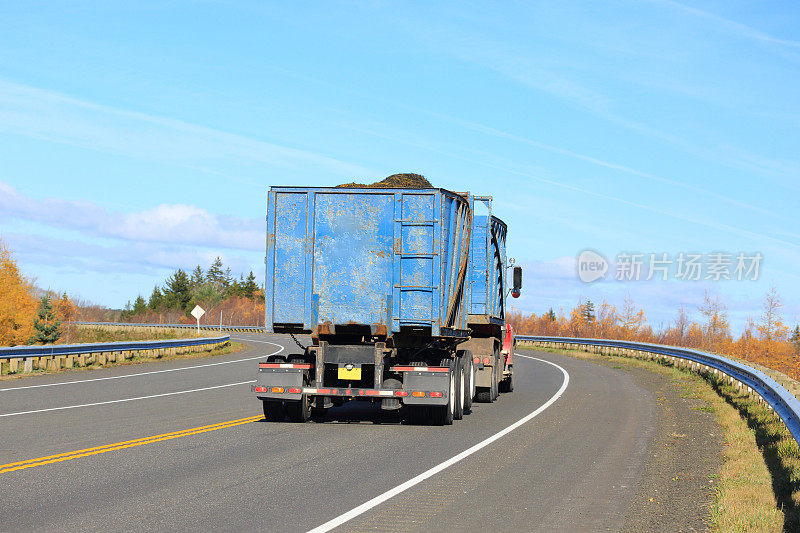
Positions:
(442, 415)
(273, 410)
(496, 378)
(460, 389)
(469, 374)
(299, 410)
(487, 394)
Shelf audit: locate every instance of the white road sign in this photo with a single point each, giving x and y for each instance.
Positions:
(198, 312)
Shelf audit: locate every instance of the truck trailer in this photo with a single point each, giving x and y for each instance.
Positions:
(381, 281)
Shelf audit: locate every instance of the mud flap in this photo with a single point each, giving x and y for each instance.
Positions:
(426, 381)
(279, 377)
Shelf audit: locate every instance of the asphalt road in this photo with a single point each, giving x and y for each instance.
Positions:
(574, 465)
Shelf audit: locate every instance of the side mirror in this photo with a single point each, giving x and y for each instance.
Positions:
(517, 279)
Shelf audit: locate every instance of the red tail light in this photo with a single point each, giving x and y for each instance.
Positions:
(486, 361)
(401, 393)
(477, 360)
(295, 390)
(261, 389)
(436, 395)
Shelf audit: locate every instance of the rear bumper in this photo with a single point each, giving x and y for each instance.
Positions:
(419, 387)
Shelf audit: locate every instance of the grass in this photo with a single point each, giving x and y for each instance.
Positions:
(758, 484)
(90, 334)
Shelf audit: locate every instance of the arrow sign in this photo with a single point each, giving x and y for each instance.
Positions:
(198, 312)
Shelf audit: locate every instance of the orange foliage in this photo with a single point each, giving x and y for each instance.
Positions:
(17, 302)
(766, 342)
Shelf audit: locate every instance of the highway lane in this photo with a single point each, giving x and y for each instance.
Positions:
(575, 465)
(60, 430)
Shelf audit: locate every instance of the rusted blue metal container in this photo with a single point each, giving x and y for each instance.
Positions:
(340, 260)
(487, 277)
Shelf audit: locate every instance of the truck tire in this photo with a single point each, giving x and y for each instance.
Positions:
(469, 377)
(299, 410)
(273, 410)
(496, 378)
(507, 385)
(487, 394)
(460, 390)
(442, 415)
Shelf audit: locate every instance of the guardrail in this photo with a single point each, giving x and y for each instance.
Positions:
(58, 356)
(780, 400)
(209, 327)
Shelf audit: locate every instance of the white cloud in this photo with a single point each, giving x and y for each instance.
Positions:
(180, 224)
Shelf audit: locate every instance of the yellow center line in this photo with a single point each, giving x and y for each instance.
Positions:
(20, 465)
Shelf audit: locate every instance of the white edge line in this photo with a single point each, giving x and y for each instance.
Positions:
(126, 399)
(374, 502)
(10, 389)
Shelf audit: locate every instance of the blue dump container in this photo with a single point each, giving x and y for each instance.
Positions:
(487, 276)
(400, 311)
(378, 262)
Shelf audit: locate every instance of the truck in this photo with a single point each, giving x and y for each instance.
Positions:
(384, 283)
(491, 338)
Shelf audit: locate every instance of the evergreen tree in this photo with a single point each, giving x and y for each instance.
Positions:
(139, 305)
(177, 291)
(249, 287)
(156, 299)
(197, 277)
(587, 312)
(46, 327)
(795, 338)
(215, 273)
(551, 315)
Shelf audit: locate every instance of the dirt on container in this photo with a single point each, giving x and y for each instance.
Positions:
(395, 181)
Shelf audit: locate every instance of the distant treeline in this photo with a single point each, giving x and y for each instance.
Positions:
(234, 300)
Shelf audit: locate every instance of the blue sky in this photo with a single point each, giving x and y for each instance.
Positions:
(136, 138)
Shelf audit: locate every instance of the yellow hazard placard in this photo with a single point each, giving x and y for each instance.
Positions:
(353, 374)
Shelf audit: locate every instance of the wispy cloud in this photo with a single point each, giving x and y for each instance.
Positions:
(59, 118)
(181, 224)
(732, 26)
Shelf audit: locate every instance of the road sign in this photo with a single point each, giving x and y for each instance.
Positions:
(198, 312)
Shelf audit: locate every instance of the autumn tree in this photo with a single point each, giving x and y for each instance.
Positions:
(47, 328)
(631, 320)
(65, 308)
(17, 303)
(716, 330)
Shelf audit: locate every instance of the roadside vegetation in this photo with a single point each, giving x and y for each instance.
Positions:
(766, 341)
(758, 486)
(224, 297)
(35, 316)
